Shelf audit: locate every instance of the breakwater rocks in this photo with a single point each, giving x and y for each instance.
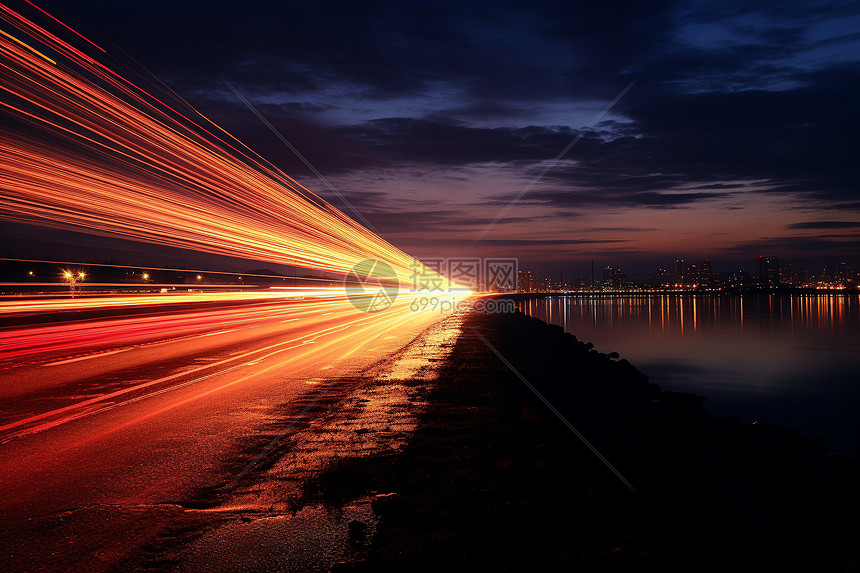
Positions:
(493, 480)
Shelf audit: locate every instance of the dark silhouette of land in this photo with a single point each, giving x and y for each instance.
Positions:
(492, 480)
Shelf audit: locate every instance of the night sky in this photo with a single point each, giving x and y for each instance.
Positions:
(738, 138)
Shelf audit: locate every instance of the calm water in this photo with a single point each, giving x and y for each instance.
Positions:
(787, 360)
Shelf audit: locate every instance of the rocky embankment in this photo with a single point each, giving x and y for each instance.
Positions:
(493, 480)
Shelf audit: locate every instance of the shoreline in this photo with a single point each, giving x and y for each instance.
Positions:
(492, 479)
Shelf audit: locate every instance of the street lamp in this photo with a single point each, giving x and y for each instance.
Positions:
(73, 277)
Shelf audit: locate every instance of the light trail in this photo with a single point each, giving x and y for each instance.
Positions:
(304, 306)
(65, 26)
(13, 305)
(307, 332)
(140, 285)
(35, 51)
(84, 148)
(87, 149)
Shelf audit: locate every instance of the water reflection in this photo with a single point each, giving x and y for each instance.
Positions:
(689, 313)
(787, 359)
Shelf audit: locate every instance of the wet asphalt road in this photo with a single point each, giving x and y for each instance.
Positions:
(101, 445)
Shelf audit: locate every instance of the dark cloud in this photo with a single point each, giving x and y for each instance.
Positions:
(452, 142)
(609, 197)
(545, 242)
(423, 221)
(827, 246)
(798, 139)
(622, 229)
(795, 142)
(825, 225)
(721, 186)
(525, 243)
(716, 102)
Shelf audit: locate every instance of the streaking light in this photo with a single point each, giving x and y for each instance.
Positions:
(87, 149)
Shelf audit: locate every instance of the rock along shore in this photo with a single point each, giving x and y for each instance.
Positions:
(493, 480)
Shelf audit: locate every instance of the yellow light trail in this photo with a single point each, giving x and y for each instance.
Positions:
(35, 51)
(87, 149)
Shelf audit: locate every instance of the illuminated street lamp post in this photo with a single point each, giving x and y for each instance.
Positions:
(73, 277)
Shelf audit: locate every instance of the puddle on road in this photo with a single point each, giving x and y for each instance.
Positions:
(269, 528)
(311, 540)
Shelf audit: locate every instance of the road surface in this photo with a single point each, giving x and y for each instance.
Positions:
(113, 418)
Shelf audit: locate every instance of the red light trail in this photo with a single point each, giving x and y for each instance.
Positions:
(88, 149)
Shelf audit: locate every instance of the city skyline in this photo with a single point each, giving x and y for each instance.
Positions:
(765, 272)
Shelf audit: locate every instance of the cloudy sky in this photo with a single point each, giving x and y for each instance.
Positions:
(737, 139)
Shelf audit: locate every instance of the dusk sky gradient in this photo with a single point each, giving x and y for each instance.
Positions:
(738, 138)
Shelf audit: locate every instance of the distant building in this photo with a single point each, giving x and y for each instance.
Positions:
(680, 272)
(607, 276)
(705, 274)
(692, 279)
(767, 271)
(740, 279)
(699, 275)
(789, 275)
(720, 279)
(525, 283)
(843, 274)
(615, 278)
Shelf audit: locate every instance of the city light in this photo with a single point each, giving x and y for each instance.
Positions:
(768, 275)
